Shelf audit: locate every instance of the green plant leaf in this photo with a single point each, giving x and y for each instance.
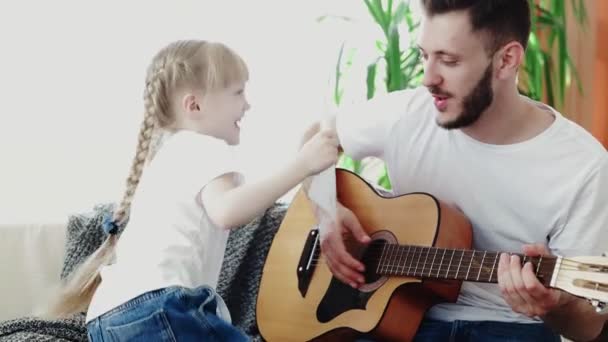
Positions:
(375, 9)
(562, 63)
(548, 79)
(383, 180)
(577, 78)
(393, 60)
(371, 80)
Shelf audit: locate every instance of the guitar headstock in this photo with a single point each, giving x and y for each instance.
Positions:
(586, 277)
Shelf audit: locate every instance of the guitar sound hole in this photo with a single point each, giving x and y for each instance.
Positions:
(371, 258)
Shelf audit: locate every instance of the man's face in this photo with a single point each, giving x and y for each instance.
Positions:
(457, 69)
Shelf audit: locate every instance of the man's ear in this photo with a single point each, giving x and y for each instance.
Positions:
(509, 59)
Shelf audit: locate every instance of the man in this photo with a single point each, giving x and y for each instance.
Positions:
(525, 176)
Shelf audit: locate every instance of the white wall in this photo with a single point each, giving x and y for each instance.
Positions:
(71, 78)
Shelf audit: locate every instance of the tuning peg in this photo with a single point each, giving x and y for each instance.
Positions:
(600, 307)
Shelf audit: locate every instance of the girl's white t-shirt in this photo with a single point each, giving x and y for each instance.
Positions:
(169, 240)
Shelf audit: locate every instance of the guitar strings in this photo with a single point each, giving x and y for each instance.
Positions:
(464, 255)
(378, 252)
(567, 265)
(453, 272)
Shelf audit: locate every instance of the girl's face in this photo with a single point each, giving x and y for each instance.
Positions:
(222, 111)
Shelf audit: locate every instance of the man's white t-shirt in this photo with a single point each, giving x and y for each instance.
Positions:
(169, 240)
(550, 189)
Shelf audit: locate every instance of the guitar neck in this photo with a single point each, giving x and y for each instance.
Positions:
(440, 263)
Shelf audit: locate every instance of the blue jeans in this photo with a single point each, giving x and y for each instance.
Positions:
(169, 314)
(486, 331)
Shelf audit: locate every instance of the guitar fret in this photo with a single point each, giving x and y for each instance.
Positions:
(447, 272)
(428, 250)
(398, 254)
(409, 270)
(398, 260)
(380, 263)
(402, 260)
(407, 256)
(418, 262)
(459, 263)
(392, 259)
(538, 266)
(433, 262)
(481, 267)
(441, 263)
(470, 263)
(493, 266)
(389, 258)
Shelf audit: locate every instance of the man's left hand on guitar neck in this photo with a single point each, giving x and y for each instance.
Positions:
(522, 290)
(527, 295)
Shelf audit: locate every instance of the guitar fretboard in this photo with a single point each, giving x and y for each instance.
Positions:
(441, 263)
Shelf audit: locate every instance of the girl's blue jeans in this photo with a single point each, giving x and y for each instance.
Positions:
(169, 314)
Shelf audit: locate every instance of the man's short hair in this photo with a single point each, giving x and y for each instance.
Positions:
(501, 21)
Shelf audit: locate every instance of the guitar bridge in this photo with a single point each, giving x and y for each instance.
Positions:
(308, 261)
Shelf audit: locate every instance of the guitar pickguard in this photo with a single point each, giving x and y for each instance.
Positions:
(340, 297)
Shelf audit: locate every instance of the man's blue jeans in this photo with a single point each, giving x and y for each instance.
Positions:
(482, 331)
(486, 331)
(169, 314)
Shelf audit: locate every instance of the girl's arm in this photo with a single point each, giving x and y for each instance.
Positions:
(231, 206)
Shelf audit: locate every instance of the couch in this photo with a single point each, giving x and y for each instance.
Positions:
(36, 258)
(32, 259)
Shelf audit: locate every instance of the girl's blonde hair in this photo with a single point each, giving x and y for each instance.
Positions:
(199, 64)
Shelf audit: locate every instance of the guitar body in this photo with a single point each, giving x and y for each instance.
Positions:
(386, 308)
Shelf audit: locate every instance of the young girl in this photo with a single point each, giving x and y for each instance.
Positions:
(157, 282)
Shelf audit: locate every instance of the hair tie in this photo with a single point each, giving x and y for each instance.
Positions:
(109, 226)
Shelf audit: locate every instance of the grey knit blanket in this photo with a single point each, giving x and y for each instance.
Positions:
(238, 284)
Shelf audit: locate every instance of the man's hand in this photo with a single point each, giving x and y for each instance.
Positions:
(522, 290)
(341, 263)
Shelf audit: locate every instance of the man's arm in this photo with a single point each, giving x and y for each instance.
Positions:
(576, 320)
(308, 134)
(584, 233)
(341, 263)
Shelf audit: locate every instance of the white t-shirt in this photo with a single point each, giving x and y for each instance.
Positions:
(169, 240)
(550, 189)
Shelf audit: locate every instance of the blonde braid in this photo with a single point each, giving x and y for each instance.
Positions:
(76, 295)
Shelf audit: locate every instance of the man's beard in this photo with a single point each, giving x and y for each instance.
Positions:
(474, 104)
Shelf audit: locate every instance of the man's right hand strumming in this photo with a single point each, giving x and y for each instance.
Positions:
(341, 263)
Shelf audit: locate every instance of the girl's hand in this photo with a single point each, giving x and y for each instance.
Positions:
(319, 153)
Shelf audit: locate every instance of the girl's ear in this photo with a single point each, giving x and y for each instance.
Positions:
(190, 103)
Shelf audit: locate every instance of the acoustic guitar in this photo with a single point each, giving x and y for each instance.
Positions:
(419, 255)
